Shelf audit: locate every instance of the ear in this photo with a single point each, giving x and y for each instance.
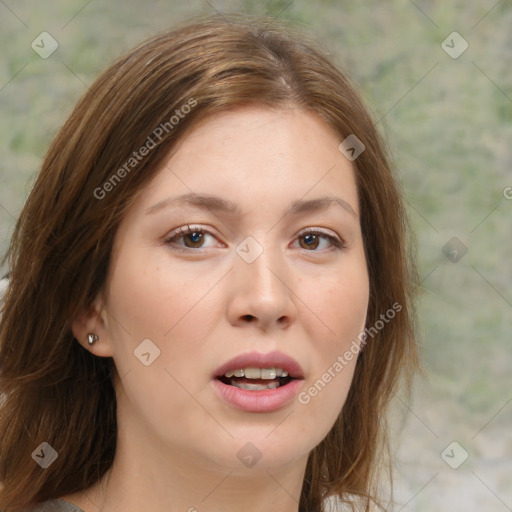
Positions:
(94, 321)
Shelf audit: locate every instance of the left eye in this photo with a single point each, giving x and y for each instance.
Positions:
(312, 240)
(193, 238)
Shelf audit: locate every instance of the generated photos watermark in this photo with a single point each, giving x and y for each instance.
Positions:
(343, 360)
(151, 142)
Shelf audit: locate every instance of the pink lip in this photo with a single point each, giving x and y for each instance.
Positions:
(265, 400)
(258, 360)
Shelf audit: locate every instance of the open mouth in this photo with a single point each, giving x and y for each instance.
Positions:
(256, 379)
(257, 382)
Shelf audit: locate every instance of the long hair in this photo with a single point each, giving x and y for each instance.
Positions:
(52, 389)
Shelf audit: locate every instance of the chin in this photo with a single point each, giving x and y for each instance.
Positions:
(264, 448)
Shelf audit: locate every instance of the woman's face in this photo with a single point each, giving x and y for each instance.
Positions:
(270, 269)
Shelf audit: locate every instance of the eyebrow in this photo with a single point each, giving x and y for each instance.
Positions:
(218, 204)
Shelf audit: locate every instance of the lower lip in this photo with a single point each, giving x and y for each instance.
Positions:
(265, 400)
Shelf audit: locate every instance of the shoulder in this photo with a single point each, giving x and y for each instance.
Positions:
(56, 505)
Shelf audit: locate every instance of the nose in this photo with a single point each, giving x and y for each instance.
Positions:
(262, 293)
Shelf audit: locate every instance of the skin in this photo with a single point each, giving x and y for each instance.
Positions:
(177, 440)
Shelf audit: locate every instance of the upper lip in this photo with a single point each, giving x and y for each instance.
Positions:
(258, 360)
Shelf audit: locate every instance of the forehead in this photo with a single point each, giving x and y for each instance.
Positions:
(257, 156)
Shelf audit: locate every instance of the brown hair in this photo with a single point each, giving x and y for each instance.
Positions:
(55, 391)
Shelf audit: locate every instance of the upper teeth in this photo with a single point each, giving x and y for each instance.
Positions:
(257, 373)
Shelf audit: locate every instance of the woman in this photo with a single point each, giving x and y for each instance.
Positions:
(210, 290)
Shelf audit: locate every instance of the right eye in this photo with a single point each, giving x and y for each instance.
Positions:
(193, 238)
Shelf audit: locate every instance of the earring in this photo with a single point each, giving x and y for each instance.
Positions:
(91, 338)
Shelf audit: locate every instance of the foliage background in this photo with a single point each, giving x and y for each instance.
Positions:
(448, 124)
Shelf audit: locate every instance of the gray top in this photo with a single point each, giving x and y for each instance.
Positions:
(56, 505)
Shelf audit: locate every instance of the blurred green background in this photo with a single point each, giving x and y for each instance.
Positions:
(448, 125)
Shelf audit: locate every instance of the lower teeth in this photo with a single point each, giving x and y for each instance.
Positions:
(255, 387)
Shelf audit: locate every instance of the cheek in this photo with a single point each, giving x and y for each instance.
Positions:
(341, 307)
(175, 310)
(149, 297)
(172, 310)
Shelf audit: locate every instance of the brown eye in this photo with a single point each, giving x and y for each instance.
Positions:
(193, 238)
(196, 239)
(311, 241)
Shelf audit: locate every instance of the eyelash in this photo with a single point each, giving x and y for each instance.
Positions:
(187, 230)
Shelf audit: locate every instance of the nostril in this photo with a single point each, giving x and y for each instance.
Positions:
(284, 320)
(248, 317)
